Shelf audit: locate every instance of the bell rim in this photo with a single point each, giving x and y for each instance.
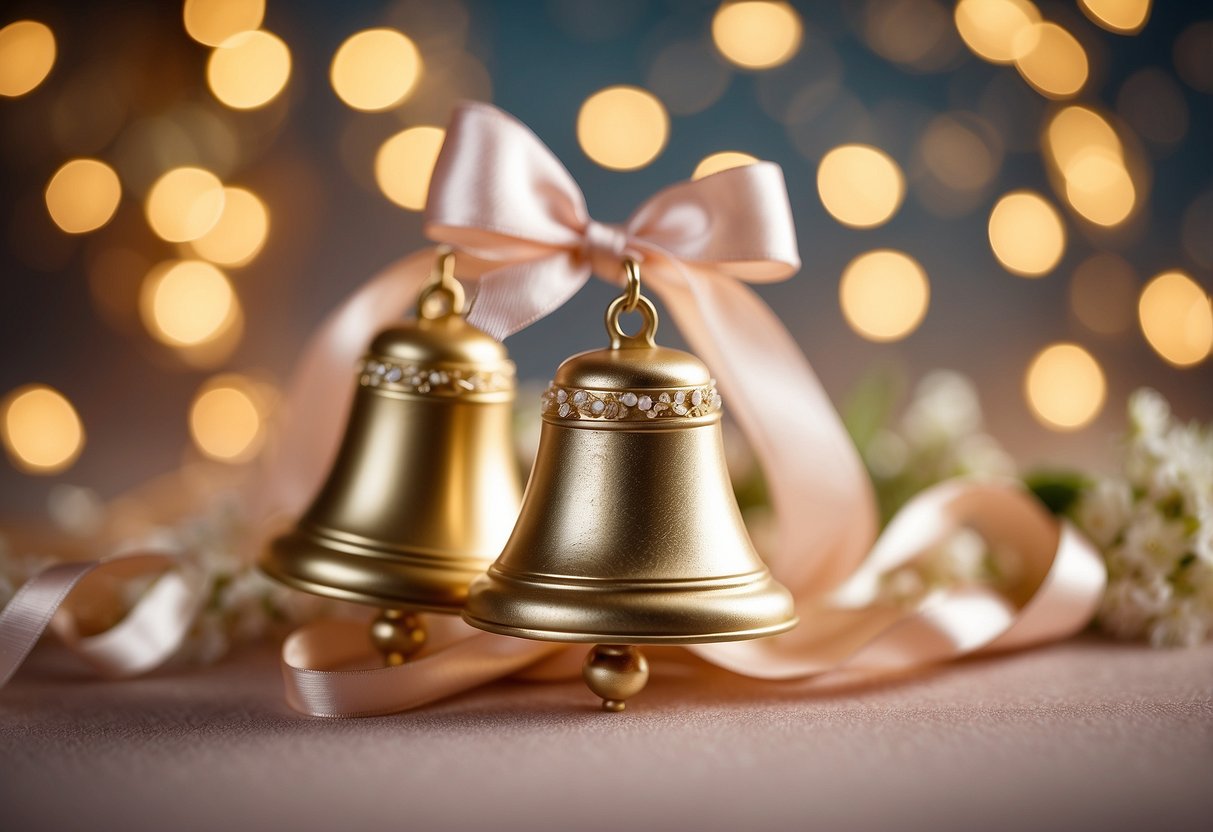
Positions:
(566, 637)
(338, 594)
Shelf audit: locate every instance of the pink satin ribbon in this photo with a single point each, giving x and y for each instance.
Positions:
(501, 196)
(148, 635)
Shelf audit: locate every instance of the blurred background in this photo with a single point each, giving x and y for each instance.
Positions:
(1022, 192)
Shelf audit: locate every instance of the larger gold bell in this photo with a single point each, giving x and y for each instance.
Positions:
(425, 487)
(629, 532)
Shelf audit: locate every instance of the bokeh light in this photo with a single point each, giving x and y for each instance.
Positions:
(83, 195)
(757, 34)
(1099, 188)
(1026, 234)
(404, 164)
(213, 21)
(1193, 57)
(239, 234)
(1000, 31)
(860, 185)
(688, 76)
(622, 128)
(1103, 293)
(1065, 387)
(249, 69)
(1177, 318)
(914, 33)
(884, 295)
(1074, 131)
(226, 419)
(1051, 60)
(27, 54)
(1122, 16)
(41, 430)
(184, 204)
(957, 154)
(724, 160)
(375, 69)
(187, 303)
(1153, 104)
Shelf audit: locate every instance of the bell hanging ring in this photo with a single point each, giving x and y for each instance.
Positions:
(629, 533)
(425, 486)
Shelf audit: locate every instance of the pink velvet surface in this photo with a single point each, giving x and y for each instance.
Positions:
(1087, 734)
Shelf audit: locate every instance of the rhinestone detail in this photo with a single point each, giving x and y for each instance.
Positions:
(442, 381)
(616, 405)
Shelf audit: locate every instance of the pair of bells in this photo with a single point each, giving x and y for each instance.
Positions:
(628, 533)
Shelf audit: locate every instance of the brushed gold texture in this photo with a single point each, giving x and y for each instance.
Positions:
(629, 531)
(425, 486)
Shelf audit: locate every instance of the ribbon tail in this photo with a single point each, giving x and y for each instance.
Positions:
(820, 492)
(147, 636)
(314, 688)
(513, 297)
(854, 629)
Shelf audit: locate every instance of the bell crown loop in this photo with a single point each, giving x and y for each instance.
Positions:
(443, 295)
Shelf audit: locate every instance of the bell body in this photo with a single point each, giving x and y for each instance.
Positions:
(425, 487)
(629, 532)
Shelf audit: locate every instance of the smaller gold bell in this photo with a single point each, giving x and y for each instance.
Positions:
(629, 532)
(425, 487)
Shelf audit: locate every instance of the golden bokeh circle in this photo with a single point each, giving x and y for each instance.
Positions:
(187, 303)
(184, 204)
(1026, 234)
(884, 295)
(240, 232)
(375, 69)
(622, 128)
(723, 160)
(27, 55)
(83, 195)
(995, 29)
(1051, 60)
(405, 163)
(1177, 319)
(757, 34)
(42, 432)
(226, 419)
(249, 69)
(1065, 387)
(213, 21)
(860, 185)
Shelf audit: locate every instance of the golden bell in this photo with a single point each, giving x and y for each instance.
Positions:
(425, 487)
(629, 532)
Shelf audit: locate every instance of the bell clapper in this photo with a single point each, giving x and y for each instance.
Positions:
(398, 635)
(615, 673)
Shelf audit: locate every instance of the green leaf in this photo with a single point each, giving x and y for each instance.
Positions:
(1058, 490)
(869, 406)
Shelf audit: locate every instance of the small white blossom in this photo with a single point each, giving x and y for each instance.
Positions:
(1104, 511)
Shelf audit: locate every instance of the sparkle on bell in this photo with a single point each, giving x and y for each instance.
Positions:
(629, 531)
(425, 487)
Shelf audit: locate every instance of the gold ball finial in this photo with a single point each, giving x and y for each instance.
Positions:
(397, 635)
(615, 673)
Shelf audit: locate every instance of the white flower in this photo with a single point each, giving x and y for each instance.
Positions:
(1154, 543)
(1103, 512)
(1183, 624)
(945, 407)
(1149, 413)
(1129, 605)
(886, 454)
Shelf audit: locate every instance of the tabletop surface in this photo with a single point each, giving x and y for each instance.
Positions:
(1082, 735)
